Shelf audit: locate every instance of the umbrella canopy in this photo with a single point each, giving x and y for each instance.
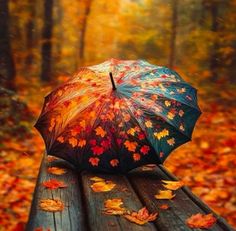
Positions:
(137, 118)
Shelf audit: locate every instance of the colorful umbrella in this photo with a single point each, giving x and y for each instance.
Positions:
(118, 115)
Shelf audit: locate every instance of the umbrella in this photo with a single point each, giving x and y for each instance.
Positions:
(118, 115)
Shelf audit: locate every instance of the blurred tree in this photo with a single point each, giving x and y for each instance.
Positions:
(7, 67)
(47, 43)
(30, 31)
(83, 29)
(174, 24)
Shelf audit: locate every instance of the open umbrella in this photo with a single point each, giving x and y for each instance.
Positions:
(118, 115)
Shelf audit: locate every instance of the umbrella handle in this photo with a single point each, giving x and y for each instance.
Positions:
(112, 81)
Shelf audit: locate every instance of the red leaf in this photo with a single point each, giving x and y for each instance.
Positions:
(97, 150)
(145, 149)
(201, 221)
(54, 184)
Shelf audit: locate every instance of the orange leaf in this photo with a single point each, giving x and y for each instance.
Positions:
(96, 179)
(164, 206)
(54, 184)
(201, 221)
(51, 158)
(56, 170)
(100, 132)
(103, 186)
(172, 185)
(148, 124)
(61, 139)
(136, 157)
(113, 207)
(141, 217)
(114, 162)
(131, 146)
(73, 141)
(81, 143)
(51, 205)
(164, 194)
(94, 161)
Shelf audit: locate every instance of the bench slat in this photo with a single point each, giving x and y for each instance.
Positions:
(148, 183)
(95, 202)
(72, 217)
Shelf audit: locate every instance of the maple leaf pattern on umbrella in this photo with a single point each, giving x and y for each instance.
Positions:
(151, 112)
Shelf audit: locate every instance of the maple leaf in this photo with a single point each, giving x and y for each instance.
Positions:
(81, 143)
(164, 206)
(82, 124)
(164, 194)
(56, 170)
(96, 179)
(172, 185)
(126, 117)
(131, 131)
(171, 141)
(51, 158)
(201, 221)
(136, 156)
(167, 103)
(113, 207)
(170, 115)
(73, 141)
(100, 132)
(54, 184)
(97, 150)
(51, 205)
(141, 217)
(94, 161)
(102, 186)
(145, 149)
(61, 139)
(114, 162)
(131, 146)
(161, 134)
(148, 124)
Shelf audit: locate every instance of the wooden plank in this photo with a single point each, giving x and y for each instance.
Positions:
(94, 202)
(147, 183)
(72, 217)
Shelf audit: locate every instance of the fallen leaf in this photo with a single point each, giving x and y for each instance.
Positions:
(94, 161)
(102, 186)
(161, 134)
(51, 158)
(164, 206)
(201, 221)
(56, 170)
(100, 131)
(97, 179)
(141, 217)
(164, 194)
(54, 184)
(172, 185)
(51, 205)
(114, 162)
(113, 207)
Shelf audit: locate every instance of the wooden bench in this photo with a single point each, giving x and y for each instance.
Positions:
(83, 207)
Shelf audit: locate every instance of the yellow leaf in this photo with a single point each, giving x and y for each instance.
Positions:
(171, 115)
(172, 185)
(113, 207)
(167, 103)
(103, 186)
(171, 141)
(148, 124)
(97, 179)
(161, 134)
(164, 194)
(131, 131)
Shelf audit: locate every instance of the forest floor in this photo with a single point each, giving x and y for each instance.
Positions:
(207, 164)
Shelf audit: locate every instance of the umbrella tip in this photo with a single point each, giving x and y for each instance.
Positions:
(112, 81)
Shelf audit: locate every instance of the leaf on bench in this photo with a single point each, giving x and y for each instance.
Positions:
(201, 221)
(164, 194)
(172, 185)
(113, 207)
(51, 205)
(56, 170)
(54, 184)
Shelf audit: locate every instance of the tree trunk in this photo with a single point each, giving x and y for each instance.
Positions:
(174, 23)
(7, 67)
(214, 61)
(47, 43)
(30, 34)
(83, 30)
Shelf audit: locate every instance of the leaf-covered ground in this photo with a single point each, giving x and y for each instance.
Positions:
(207, 164)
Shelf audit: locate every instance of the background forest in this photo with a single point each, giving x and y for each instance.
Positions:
(43, 42)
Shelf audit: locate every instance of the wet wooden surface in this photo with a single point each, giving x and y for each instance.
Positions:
(84, 208)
